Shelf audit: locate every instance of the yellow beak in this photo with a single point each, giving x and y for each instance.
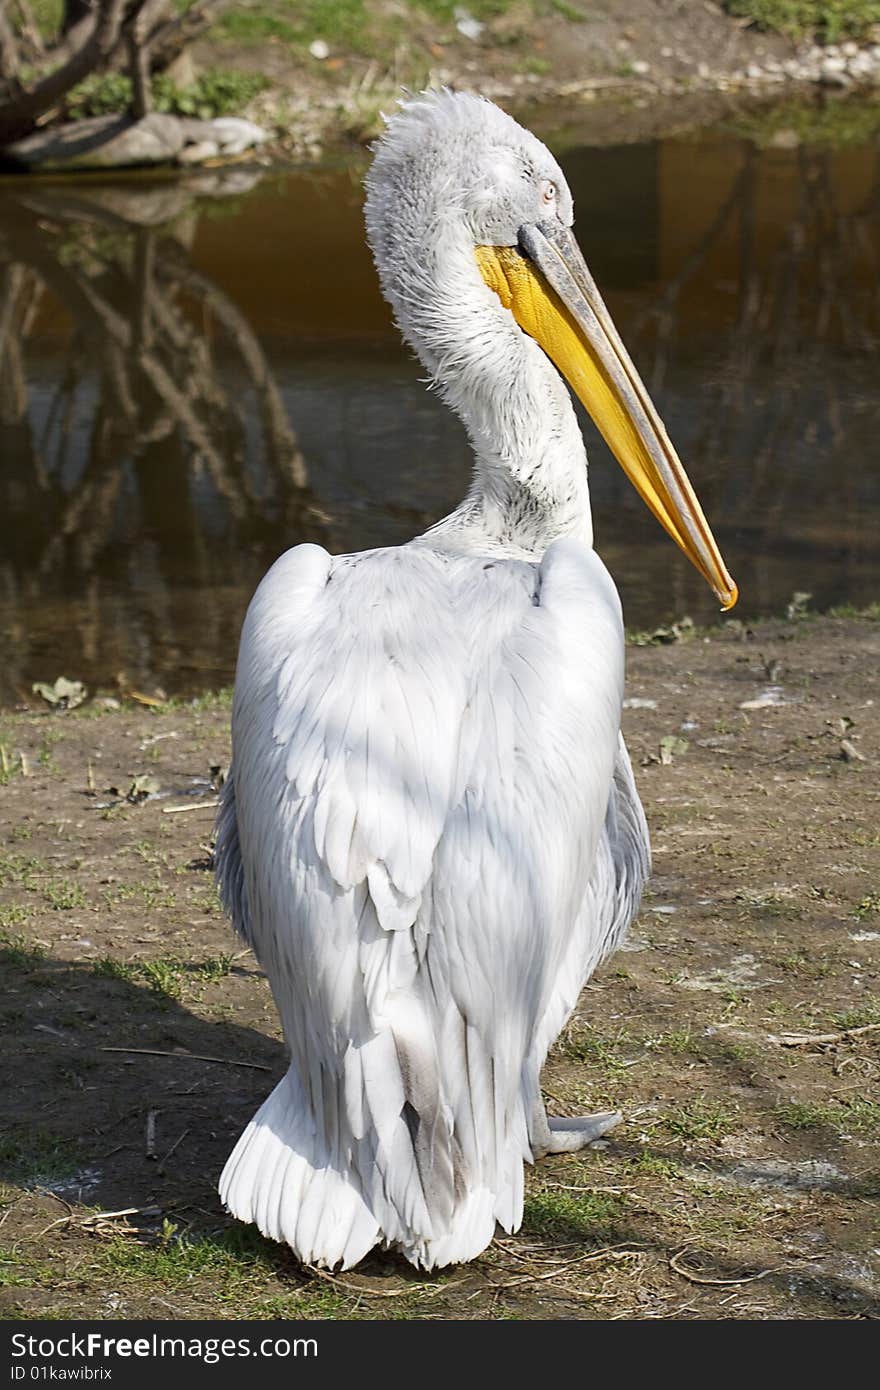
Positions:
(553, 298)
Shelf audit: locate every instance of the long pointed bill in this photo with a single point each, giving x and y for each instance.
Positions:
(548, 288)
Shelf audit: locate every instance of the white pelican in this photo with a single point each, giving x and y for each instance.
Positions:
(431, 835)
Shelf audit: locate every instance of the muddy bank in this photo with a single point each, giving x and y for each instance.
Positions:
(652, 63)
(737, 1032)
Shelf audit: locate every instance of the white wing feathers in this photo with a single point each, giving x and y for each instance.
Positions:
(424, 749)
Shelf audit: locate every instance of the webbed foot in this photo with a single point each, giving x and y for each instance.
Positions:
(569, 1134)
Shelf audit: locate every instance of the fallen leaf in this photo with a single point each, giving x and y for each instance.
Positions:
(142, 787)
(64, 694)
(770, 698)
(798, 605)
(153, 701)
(670, 746)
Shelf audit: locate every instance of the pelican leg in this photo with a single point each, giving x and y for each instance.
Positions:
(568, 1133)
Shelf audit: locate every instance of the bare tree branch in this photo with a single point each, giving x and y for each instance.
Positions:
(169, 39)
(9, 55)
(19, 116)
(139, 67)
(30, 30)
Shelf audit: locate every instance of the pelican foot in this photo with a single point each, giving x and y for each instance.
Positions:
(569, 1134)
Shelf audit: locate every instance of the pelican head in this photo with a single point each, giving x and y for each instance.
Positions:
(469, 217)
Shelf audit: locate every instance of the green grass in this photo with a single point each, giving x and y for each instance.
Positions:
(849, 610)
(570, 11)
(828, 20)
(147, 895)
(353, 26)
(64, 895)
(678, 1042)
(229, 1266)
(18, 1273)
(868, 906)
(854, 1115)
(581, 1044)
(801, 963)
(34, 1158)
(701, 1119)
(861, 1017)
(342, 23)
(167, 976)
(21, 953)
(217, 92)
(12, 915)
(565, 1214)
(654, 1166)
(108, 969)
(9, 766)
(19, 869)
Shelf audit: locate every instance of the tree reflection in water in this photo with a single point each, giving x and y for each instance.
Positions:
(164, 407)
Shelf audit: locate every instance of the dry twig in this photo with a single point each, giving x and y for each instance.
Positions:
(193, 1056)
(805, 1039)
(694, 1278)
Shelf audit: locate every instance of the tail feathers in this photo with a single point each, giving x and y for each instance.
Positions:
(280, 1176)
(276, 1178)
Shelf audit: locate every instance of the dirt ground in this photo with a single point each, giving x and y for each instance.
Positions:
(517, 44)
(621, 70)
(737, 1032)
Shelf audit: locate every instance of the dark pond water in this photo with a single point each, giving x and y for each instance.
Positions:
(194, 377)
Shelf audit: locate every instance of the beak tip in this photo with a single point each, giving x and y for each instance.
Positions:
(729, 597)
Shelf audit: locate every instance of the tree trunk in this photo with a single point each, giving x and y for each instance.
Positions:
(139, 67)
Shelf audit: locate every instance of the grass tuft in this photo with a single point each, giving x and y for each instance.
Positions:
(560, 1214)
(827, 20)
(35, 1158)
(701, 1119)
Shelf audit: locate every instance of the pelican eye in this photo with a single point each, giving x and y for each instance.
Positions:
(548, 192)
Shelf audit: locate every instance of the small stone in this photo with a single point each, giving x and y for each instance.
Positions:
(849, 752)
(640, 67)
(466, 24)
(785, 140)
(319, 49)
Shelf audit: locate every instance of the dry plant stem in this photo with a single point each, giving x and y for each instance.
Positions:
(176, 1145)
(674, 1264)
(193, 1056)
(806, 1039)
(608, 1251)
(150, 1143)
(356, 1288)
(196, 806)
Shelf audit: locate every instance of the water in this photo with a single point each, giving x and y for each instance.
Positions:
(195, 376)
